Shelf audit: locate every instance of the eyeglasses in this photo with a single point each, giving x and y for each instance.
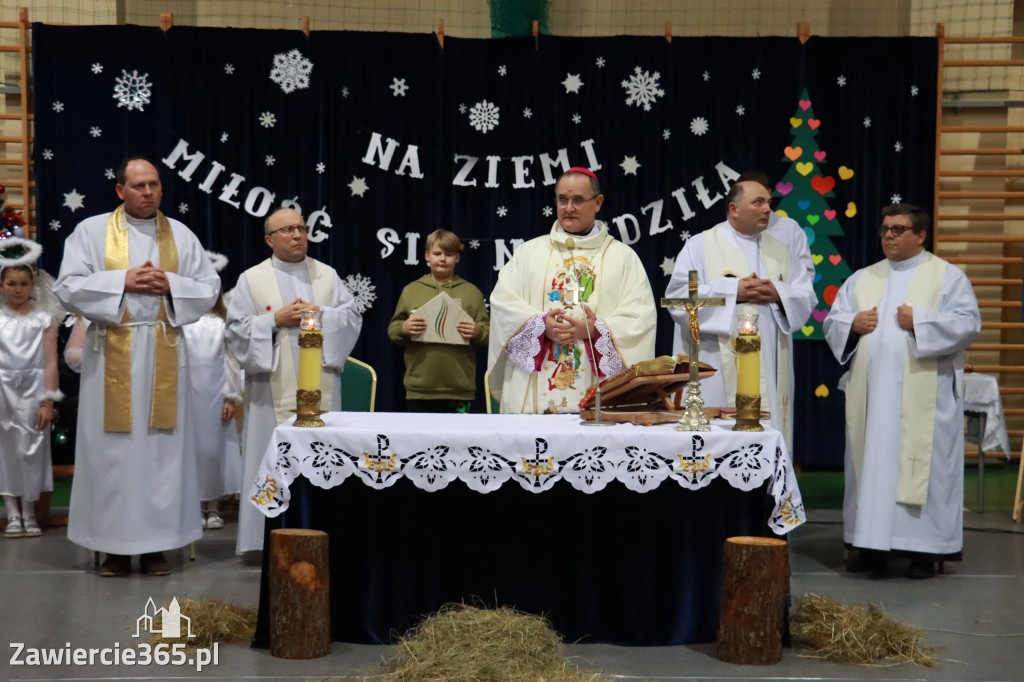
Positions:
(288, 230)
(896, 230)
(564, 202)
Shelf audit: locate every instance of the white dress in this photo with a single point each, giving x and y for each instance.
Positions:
(215, 375)
(25, 465)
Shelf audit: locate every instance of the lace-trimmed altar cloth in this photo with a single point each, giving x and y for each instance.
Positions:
(536, 452)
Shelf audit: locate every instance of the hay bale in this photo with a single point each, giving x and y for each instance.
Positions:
(463, 643)
(856, 633)
(213, 620)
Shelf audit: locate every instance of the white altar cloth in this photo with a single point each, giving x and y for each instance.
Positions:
(485, 451)
(981, 395)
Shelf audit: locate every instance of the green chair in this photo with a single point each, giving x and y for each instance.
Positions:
(358, 386)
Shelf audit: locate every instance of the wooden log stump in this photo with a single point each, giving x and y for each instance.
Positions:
(300, 615)
(754, 582)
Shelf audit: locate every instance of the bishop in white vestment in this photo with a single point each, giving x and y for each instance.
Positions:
(569, 307)
(753, 271)
(137, 277)
(904, 322)
(263, 334)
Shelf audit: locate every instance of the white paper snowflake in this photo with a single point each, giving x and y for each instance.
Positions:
(600, 62)
(668, 266)
(841, 81)
(54, 225)
(502, 211)
(685, 235)
(463, 108)
(756, 74)
(320, 168)
(740, 110)
(642, 88)
(229, 69)
(502, 70)
(527, 113)
(398, 87)
(577, 119)
(572, 83)
(269, 159)
(914, 90)
(474, 244)
(547, 211)
(362, 290)
(183, 208)
(48, 154)
(896, 199)
(344, 92)
(699, 126)
(358, 186)
(666, 133)
(898, 146)
(706, 76)
(58, 106)
(629, 165)
(96, 131)
(109, 174)
(867, 121)
(74, 200)
(268, 119)
(97, 68)
(484, 116)
(224, 137)
(132, 90)
(291, 71)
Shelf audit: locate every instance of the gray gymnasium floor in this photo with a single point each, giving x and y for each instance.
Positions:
(50, 597)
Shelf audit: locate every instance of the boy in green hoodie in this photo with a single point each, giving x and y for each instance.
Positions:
(440, 377)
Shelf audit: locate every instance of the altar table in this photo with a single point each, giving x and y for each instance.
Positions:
(615, 533)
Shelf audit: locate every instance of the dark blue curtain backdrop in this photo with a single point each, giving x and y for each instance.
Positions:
(381, 138)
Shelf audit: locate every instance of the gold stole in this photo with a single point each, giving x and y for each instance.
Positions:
(264, 291)
(722, 258)
(920, 381)
(117, 388)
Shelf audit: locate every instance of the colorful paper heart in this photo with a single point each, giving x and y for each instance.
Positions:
(805, 104)
(830, 294)
(803, 204)
(807, 330)
(817, 258)
(834, 260)
(804, 168)
(819, 315)
(822, 185)
(810, 235)
(813, 218)
(793, 153)
(782, 214)
(820, 156)
(795, 122)
(851, 210)
(845, 173)
(813, 123)
(821, 391)
(784, 187)
(817, 277)
(830, 214)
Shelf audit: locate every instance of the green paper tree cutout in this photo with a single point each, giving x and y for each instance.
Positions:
(804, 190)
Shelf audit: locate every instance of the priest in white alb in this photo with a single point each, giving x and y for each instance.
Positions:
(569, 307)
(137, 276)
(262, 331)
(740, 261)
(905, 323)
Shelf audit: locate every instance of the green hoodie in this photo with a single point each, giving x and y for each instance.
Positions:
(440, 371)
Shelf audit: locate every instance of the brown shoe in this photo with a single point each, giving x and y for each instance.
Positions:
(154, 564)
(116, 565)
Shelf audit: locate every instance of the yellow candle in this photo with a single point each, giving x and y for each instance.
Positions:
(310, 358)
(748, 365)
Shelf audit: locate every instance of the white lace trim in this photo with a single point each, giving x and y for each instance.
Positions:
(611, 361)
(524, 346)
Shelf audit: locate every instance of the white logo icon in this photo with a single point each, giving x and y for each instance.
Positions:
(170, 621)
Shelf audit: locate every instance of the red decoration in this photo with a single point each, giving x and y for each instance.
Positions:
(823, 185)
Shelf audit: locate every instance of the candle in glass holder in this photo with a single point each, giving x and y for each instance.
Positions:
(310, 350)
(748, 355)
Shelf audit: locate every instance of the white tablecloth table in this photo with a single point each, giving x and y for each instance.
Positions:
(981, 397)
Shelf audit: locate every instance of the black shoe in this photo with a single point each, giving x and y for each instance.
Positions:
(868, 561)
(921, 569)
(154, 564)
(116, 565)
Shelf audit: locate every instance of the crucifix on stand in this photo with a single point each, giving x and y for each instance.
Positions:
(693, 418)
